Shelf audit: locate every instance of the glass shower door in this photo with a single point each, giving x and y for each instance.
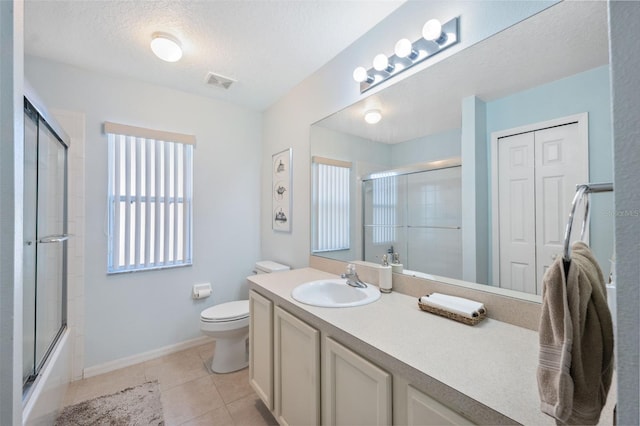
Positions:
(51, 247)
(29, 232)
(45, 231)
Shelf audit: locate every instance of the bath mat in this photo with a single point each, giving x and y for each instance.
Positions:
(138, 405)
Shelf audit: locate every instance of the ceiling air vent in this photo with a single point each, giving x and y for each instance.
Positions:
(218, 80)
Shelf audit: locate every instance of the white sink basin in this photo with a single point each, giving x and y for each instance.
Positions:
(334, 293)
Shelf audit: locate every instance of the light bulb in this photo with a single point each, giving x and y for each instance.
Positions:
(372, 116)
(360, 74)
(380, 62)
(432, 31)
(403, 48)
(166, 47)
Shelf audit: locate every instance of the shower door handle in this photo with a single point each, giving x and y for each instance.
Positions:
(54, 238)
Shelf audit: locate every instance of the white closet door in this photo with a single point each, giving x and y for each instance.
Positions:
(517, 206)
(561, 164)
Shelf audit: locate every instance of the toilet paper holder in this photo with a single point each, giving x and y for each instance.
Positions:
(201, 291)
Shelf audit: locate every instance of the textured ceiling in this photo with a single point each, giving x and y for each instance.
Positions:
(268, 46)
(560, 41)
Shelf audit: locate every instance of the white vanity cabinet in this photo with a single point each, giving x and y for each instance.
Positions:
(296, 370)
(261, 347)
(355, 391)
(413, 407)
(292, 364)
(424, 410)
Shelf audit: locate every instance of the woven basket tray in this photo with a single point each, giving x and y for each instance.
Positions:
(453, 316)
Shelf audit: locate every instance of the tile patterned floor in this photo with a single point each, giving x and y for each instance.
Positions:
(191, 393)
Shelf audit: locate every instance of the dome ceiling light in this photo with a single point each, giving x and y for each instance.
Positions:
(373, 116)
(166, 47)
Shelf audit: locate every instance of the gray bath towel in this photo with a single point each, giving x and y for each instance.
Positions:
(576, 340)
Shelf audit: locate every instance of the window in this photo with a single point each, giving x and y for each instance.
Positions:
(149, 198)
(385, 202)
(331, 204)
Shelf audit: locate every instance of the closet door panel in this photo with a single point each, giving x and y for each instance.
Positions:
(516, 193)
(561, 164)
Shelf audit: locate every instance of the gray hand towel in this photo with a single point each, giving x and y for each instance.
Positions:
(576, 341)
(555, 385)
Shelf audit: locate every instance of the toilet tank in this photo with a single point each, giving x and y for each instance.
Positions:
(268, 266)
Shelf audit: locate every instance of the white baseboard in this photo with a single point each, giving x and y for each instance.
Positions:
(145, 356)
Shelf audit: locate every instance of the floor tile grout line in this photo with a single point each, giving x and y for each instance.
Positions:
(142, 372)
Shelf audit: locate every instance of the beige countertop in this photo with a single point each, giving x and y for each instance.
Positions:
(492, 363)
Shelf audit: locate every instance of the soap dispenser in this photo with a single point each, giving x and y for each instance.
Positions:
(396, 266)
(385, 276)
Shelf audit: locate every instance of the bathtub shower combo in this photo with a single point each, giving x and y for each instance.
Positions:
(45, 236)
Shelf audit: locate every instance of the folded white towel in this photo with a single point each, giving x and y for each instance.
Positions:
(457, 305)
(468, 304)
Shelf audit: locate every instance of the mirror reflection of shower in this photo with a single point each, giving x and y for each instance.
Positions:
(45, 236)
(414, 214)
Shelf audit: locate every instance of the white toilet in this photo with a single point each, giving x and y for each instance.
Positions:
(228, 323)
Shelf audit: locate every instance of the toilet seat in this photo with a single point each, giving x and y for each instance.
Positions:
(226, 312)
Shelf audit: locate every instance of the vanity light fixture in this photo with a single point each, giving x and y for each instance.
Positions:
(435, 38)
(360, 75)
(166, 47)
(381, 63)
(432, 31)
(404, 49)
(373, 116)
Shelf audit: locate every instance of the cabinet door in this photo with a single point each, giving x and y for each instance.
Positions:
(297, 370)
(424, 410)
(261, 347)
(356, 392)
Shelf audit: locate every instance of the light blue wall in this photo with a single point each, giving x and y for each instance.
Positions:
(426, 148)
(130, 314)
(342, 146)
(11, 188)
(475, 190)
(625, 61)
(589, 92)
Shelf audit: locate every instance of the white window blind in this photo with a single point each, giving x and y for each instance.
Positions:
(385, 200)
(331, 204)
(149, 198)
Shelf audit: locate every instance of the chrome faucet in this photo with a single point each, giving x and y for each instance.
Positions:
(352, 277)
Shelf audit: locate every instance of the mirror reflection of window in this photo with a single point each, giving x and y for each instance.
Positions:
(331, 204)
(384, 209)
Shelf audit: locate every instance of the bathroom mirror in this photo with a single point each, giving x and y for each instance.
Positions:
(549, 66)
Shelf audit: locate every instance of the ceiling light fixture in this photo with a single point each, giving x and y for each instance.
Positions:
(435, 38)
(372, 116)
(166, 47)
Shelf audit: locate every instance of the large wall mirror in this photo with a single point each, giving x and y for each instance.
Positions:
(424, 182)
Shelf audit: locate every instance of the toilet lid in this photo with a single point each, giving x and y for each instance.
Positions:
(226, 311)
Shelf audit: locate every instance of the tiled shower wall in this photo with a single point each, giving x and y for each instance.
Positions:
(74, 124)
